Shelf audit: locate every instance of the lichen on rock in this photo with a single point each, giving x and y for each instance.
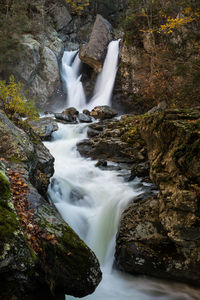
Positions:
(164, 234)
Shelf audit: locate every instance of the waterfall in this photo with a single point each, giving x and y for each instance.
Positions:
(72, 80)
(104, 84)
(106, 79)
(91, 200)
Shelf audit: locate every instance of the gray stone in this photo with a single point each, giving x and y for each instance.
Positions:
(103, 112)
(65, 117)
(27, 67)
(44, 127)
(84, 118)
(61, 17)
(93, 53)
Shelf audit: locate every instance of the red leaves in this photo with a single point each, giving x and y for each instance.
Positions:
(26, 214)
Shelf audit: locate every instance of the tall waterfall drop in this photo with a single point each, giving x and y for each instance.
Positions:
(72, 80)
(105, 81)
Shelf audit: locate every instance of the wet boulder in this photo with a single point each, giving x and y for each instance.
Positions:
(44, 127)
(142, 241)
(86, 112)
(93, 53)
(92, 132)
(103, 112)
(37, 247)
(16, 257)
(40, 255)
(83, 118)
(65, 118)
(69, 115)
(71, 111)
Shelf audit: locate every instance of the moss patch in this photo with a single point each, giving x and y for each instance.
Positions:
(5, 192)
(8, 224)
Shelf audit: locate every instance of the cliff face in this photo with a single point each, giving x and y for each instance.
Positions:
(160, 236)
(159, 55)
(34, 44)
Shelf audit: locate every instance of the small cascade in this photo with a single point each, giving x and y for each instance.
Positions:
(72, 80)
(91, 200)
(106, 79)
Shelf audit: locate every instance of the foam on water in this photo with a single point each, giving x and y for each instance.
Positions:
(91, 201)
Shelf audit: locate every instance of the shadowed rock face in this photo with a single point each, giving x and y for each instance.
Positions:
(161, 236)
(40, 255)
(93, 53)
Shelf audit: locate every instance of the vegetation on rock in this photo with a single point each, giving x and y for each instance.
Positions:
(164, 35)
(77, 7)
(14, 102)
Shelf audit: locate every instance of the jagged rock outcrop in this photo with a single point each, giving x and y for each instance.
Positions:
(18, 148)
(40, 255)
(118, 141)
(133, 68)
(93, 53)
(44, 127)
(160, 237)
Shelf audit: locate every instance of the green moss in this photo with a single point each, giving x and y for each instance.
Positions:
(71, 239)
(5, 192)
(14, 159)
(8, 223)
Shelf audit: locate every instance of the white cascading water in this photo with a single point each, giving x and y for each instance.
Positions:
(106, 79)
(72, 80)
(91, 201)
(104, 84)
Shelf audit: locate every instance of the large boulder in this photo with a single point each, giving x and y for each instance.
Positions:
(163, 238)
(38, 66)
(26, 150)
(39, 252)
(16, 257)
(103, 112)
(44, 127)
(93, 53)
(61, 16)
(40, 255)
(141, 240)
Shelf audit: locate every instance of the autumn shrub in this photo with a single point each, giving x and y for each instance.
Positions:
(78, 7)
(173, 72)
(13, 100)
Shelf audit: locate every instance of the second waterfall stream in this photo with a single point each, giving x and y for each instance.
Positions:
(91, 200)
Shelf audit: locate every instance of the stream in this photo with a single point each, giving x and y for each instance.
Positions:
(91, 200)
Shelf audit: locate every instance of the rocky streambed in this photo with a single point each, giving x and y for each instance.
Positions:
(159, 231)
(158, 234)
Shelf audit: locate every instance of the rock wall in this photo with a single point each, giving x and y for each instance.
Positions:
(160, 236)
(134, 67)
(42, 48)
